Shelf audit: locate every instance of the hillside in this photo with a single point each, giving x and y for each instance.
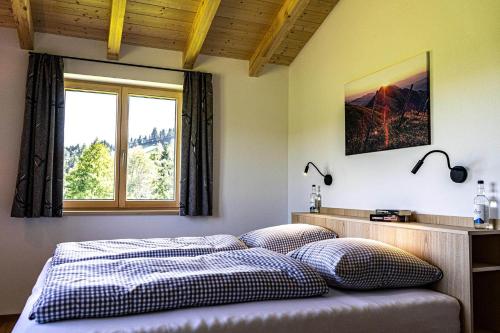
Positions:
(393, 118)
(395, 98)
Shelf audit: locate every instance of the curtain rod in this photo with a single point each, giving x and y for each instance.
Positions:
(122, 63)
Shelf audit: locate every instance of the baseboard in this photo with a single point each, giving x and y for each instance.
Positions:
(7, 322)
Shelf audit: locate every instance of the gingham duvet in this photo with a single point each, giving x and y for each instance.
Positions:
(153, 247)
(116, 287)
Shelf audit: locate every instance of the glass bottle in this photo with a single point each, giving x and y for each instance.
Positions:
(312, 200)
(481, 208)
(318, 199)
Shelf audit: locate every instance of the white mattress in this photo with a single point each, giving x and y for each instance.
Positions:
(403, 310)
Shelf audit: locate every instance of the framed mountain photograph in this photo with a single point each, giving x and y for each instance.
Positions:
(389, 109)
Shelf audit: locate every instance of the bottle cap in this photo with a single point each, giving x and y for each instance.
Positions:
(480, 181)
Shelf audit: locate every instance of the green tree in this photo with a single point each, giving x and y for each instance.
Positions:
(154, 135)
(92, 176)
(163, 184)
(170, 135)
(163, 133)
(141, 171)
(71, 156)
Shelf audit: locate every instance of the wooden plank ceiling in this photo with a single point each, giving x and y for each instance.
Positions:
(263, 31)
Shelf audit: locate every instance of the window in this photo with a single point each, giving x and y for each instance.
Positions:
(120, 147)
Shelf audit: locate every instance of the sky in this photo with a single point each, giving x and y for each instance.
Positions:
(390, 75)
(91, 115)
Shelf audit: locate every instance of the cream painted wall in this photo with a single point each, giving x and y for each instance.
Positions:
(362, 36)
(250, 157)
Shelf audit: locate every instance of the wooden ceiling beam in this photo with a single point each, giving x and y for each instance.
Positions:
(21, 9)
(199, 30)
(288, 14)
(116, 28)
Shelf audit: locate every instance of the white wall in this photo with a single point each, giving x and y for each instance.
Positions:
(250, 131)
(363, 36)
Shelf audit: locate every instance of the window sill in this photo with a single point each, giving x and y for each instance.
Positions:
(158, 211)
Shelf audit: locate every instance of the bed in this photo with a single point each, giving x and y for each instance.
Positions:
(396, 310)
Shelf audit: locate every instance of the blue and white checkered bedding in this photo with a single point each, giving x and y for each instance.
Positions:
(116, 287)
(364, 264)
(153, 247)
(286, 237)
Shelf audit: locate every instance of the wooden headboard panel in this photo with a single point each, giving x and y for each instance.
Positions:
(448, 247)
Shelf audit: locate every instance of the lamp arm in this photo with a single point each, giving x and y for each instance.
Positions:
(438, 151)
(314, 165)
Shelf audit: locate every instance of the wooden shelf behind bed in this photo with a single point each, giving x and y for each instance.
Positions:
(469, 258)
(478, 267)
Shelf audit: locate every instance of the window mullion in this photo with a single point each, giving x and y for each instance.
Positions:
(123, 134)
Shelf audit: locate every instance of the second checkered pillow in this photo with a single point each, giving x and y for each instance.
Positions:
(355, 263)
(287, 237)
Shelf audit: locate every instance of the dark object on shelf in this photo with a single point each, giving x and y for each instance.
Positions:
(400, 212)
(458, 173)
(389, 218)
(328, 179)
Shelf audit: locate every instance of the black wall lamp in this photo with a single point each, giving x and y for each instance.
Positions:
(458, 173)
(328, 179)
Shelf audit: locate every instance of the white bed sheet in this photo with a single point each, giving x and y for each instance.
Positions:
(402, 310)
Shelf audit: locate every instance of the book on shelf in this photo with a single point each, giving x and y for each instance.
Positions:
(389, 218)
(400, 212)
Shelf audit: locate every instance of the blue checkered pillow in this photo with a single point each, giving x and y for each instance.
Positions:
(287, 237)
(355, 263)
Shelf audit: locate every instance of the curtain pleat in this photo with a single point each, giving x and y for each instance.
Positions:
(197, 145)
(39, 185)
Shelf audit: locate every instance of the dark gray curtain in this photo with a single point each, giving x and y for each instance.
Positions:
(197, 145)
(39, 186)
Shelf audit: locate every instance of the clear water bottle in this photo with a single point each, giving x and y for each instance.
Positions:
(481, 208)
(312, 201)
(318, 198)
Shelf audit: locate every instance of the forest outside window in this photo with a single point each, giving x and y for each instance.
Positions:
(121, 147)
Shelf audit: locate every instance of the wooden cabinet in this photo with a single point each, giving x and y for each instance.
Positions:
(469, 259)
(485, 281)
